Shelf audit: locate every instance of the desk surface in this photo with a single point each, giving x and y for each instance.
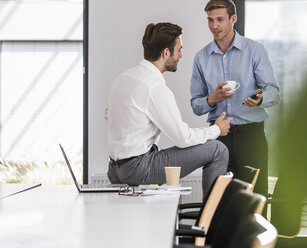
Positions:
(58, 216)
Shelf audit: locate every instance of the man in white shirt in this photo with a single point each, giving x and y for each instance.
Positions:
(141, 106)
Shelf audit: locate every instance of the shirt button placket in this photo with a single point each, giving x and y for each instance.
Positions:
(228, 106)
(225, 65)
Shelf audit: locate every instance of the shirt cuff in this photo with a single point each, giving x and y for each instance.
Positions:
(208, 106)
(259, 104)
(214, 132)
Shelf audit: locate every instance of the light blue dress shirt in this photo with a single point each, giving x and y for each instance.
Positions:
(246, 62)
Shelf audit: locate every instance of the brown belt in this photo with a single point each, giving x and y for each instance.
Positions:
(244, 127)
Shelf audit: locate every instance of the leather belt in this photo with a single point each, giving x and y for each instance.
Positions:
(244, 127)
(122, 161)
(125, 160)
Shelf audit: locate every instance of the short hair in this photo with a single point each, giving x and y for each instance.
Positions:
(159, 36)
(219, 4)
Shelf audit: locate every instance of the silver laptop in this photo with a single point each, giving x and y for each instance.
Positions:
(90, 188)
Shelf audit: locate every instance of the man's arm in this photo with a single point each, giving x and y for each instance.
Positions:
(265, 78)
(164, 113)
(199, 91)
(255, 99)
(201, 101)
(219, 95)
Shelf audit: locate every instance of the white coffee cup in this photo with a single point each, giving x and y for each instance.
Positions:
(233, 85)
(172, 175)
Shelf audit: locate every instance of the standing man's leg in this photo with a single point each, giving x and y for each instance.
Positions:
(251, 148)
(228, 142)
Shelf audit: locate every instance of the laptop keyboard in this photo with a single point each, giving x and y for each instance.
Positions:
(95, 186)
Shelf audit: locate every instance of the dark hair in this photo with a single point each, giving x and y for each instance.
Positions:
(219, 4)
(159, 36)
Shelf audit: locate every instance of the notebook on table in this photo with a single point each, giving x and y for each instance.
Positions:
(91, 188)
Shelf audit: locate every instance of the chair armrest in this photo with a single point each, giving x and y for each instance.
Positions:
(190, 205)
(190, 232)
(191, 215)
(274, 200)
(190, 246)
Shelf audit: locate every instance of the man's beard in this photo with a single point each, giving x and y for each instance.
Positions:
(171, 64)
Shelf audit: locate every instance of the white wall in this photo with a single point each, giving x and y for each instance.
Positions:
(115, 33)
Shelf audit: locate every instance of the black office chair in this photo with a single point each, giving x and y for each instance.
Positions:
(254, 231)
(189, 233)
(207, 209)
(249, 174)
(244, 203)
(228, 218)
(220, 183)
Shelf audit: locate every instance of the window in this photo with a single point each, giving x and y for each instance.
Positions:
(280, 26)
(41, 87)
(40, 98)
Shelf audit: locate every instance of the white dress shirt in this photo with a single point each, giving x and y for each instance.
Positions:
(140, 107)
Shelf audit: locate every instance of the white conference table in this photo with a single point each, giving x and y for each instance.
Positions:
(59, 216)
(7, 190)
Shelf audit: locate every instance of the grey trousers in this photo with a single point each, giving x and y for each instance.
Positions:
(149, 167)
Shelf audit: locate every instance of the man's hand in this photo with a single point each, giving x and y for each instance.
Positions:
(219, 95)
(249, 102)
(223, 125)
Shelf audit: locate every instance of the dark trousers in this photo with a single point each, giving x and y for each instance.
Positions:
(249, 148)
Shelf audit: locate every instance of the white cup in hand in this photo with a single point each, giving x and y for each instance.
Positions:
(172, 175)
(233, 85)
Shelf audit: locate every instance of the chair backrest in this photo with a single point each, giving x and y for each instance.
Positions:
(268, 238)
(261, 203)
(213, 200)
(220, 180)
(219, 206)
(249, 174)
(243, 204)
(254, 231)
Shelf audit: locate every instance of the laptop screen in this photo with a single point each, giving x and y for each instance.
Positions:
(69, 167)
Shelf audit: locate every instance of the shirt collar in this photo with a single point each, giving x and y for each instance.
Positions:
(237, 42)
(152, 68)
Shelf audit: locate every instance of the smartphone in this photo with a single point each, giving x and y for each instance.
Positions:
(254, 96)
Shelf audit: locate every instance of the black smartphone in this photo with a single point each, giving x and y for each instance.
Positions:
(254, 96)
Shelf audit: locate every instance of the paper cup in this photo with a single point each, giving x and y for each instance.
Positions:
(172, 175)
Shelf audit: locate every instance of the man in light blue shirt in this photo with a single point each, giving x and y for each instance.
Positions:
(232, 57)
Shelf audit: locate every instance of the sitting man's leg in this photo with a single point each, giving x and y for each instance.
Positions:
(149, 168)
